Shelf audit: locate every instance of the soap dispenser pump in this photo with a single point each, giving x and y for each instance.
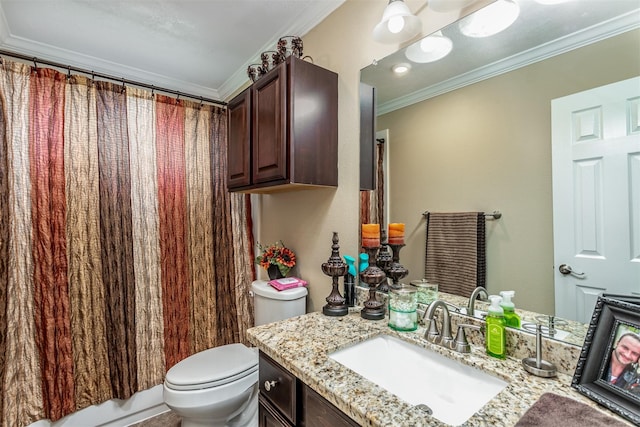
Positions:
(511, 318)
(495, 337)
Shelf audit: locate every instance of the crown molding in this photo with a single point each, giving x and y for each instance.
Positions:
(312, 16)
(570, 42)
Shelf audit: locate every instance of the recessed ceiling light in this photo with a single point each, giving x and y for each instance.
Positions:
(429, 49)
(490, 20)
(401, 68)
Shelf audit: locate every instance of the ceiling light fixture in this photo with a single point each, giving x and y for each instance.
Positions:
(401, 68)
(490, 20)
(429, 49)
(398, 24)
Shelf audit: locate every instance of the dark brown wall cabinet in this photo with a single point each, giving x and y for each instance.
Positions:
(283, 130)
(285, 401)
(367, 137)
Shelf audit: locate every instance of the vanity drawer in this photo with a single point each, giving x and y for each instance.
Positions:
(282, 387)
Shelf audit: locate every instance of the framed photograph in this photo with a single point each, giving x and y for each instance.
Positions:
(608, 371)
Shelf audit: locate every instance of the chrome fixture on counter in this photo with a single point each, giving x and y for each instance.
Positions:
(537, 365)
(484, 296)
(459, 343)
(433, 334)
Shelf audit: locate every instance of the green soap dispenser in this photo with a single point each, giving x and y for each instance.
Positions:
(511, 318)
(495, 340)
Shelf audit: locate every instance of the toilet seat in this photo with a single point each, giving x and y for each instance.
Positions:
(212, 368)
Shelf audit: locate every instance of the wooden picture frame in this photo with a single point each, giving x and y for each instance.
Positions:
(613, 337)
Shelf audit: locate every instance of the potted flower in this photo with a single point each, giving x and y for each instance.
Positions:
(277, 259)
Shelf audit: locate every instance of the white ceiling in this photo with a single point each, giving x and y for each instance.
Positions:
(201, 47)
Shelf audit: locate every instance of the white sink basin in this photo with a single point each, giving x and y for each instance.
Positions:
(452, 390)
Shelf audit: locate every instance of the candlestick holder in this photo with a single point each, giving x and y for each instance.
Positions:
(396, 271)
(335, 268)
(372, 276)
(384, 261)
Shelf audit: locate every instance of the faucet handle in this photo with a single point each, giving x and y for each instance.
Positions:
(432, 334)
(460, 343)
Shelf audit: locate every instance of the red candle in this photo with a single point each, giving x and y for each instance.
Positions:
(396, 233)
(370, 235)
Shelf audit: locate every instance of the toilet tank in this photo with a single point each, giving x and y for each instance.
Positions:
(272, 305)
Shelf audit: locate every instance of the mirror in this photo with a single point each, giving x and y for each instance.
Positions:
(468, 135)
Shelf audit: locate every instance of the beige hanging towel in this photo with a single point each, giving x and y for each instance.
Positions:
(455, 256)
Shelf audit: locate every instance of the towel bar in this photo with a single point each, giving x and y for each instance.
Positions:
(489, 216)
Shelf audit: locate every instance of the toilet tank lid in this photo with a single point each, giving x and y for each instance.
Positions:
(216, 366)
(264, 289)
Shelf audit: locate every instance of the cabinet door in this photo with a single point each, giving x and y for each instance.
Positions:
(239, 137)
(319, 412)
(268, 416)
(270, 148)
(282, 389)
(367, 137)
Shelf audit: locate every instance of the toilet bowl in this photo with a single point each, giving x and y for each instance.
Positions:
(219, 386)
(215, 387)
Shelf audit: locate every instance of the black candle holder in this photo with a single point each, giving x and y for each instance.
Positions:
(335, 268)
(384, 261)
(372, 276)
(396, 271)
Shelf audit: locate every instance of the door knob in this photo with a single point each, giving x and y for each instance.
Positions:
(566, 269)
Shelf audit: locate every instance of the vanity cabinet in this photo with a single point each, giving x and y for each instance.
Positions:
(285, 401)
(283, 130)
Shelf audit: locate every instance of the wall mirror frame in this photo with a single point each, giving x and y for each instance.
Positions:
(458, 160)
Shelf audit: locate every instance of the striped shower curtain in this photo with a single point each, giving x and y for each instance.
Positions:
(121, 251)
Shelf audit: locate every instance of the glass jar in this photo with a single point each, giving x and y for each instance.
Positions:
(403, 304)
(427, 292)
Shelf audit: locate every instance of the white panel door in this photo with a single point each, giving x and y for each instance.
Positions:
(596, 196)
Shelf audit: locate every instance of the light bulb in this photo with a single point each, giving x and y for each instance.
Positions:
(429, 49)
(396, 24)
(490, 20)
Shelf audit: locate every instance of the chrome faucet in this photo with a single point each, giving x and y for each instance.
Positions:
(484, 296)
(460, 343)
(432, 334)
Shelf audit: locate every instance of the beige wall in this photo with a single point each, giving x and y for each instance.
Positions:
(306, 220)
(488, 147)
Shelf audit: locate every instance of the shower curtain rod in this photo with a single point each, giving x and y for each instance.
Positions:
(94, 74)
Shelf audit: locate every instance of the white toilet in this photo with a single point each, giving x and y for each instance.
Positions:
(219, 386)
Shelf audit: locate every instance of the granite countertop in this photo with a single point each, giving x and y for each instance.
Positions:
(302, 345)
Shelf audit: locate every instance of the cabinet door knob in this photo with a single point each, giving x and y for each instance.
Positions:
(270, 384)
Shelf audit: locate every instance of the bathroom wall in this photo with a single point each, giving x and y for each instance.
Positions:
(488, 146)
(305, 220)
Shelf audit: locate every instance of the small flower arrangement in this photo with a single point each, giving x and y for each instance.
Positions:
(278, 255)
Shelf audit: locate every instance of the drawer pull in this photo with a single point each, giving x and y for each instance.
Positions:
(270, 384)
